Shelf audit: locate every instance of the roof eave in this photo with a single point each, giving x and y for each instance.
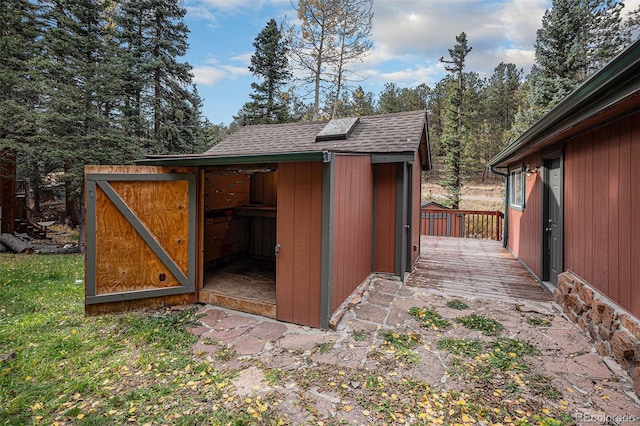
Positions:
(218, 160)
(614, 82)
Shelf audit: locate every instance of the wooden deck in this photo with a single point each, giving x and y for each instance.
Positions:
(474, 268)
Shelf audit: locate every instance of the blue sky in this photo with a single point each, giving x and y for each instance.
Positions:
(409, 38)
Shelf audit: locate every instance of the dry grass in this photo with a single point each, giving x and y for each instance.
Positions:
(475, 196)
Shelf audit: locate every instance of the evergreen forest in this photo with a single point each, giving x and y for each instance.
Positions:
(102, 82)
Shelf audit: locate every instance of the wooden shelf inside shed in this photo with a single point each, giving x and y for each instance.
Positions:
(256, 211)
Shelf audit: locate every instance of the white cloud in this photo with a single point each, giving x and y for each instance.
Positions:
(210, 9)
(629, 6)
(411, 77)
(245, 58)
(421, 32)
(233, 71)
(203, 13)
(521, 20)
(207, 76)
(215, 71)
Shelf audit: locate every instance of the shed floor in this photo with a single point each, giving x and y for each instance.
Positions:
(247, 285)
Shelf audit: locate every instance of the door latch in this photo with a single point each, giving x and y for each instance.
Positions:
(277, 251)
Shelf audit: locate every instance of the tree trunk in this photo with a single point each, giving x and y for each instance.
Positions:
(15, 244)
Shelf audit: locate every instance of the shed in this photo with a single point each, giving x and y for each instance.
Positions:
(439, 220)
(573, 202)
(283, 220)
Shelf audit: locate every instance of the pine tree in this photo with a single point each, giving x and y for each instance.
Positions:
(270, 64)
(632, 24)
(81, 109)
(502, 100)
(19, 79)
(355, 104)
(396, 99)
(576, 39)
(158, 85)
(453, 138)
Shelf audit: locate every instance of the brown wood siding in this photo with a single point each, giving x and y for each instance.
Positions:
(524, 226)
(263, 225)
(386, 185)
(353, 224)
(299, 233)
(415, 209)
(264, 188)
(602, 241)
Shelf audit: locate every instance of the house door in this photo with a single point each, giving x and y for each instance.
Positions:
(552, 221)
(141, 237)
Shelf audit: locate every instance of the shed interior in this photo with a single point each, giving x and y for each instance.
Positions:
(239, 261)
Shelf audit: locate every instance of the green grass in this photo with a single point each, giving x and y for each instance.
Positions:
(139, 368)
(466, 347)
(359, 335)
(112, 369)
(429, 318)
(401, 341)
(457, 304)
(487, 326)
(539, 321)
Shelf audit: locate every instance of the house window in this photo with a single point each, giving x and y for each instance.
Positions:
(516, 195)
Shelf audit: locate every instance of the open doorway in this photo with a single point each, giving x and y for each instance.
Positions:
(239, 239)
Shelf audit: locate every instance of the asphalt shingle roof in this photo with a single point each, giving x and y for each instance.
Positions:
(385, 133)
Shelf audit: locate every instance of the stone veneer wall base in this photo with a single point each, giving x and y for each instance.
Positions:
(615, 332)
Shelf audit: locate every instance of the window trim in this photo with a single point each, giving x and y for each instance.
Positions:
(517, 188)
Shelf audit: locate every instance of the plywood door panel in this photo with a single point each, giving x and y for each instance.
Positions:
(141, 234)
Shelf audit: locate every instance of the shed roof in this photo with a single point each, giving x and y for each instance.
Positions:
(397, 133)
(385, 133)
(610, 91)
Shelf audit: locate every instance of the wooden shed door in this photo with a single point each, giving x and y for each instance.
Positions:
(141, 234)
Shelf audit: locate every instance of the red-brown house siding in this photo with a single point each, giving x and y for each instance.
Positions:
(415, 208)
(353, 224)
(386, 186)
(602, 239)
(299, 233)
(524, 225)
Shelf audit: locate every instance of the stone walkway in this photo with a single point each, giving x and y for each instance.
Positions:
(302, 370)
